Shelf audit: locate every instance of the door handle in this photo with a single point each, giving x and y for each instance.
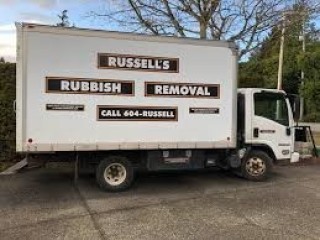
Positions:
(256, 132)
(288, 131)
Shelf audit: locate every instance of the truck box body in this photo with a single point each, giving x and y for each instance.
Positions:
(83, 90)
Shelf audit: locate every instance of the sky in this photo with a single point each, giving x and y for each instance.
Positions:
(45, 12)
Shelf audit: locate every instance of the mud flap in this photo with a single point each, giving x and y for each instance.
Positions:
(234, 161)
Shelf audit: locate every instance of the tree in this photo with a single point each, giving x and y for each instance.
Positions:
(64, 19)
(243, 21)
(262, 67)
(310, 62)
(7, 115)
(2, 60)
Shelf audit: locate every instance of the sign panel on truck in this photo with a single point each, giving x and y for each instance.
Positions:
(136, 92)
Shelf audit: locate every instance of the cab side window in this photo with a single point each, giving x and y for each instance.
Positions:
(272, 106)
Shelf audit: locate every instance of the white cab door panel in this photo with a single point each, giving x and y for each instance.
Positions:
(272, 122)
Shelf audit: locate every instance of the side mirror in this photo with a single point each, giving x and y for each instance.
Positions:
(296, 109)
(295, 105)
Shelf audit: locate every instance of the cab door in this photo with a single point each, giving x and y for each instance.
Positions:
(272, 122)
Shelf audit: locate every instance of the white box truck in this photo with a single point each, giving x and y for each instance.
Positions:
(129, 102)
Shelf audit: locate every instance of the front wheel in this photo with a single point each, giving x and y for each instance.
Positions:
(256, 166)
(115, 174)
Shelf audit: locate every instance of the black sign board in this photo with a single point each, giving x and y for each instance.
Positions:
(135, 62)
(204, 110)
(136, 113)
(165, 89)
(89, 86)
(65, 107)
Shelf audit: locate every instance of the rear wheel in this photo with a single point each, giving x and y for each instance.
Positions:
(256, 166)
(115, 174)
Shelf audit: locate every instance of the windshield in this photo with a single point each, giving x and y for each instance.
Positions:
(272, 106)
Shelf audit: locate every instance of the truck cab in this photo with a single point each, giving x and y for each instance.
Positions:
(266, 122)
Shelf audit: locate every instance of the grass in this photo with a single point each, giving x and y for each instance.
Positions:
(317, 138)
(3, 166)
(317, 141)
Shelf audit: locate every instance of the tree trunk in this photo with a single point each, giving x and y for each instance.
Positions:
(203, 29)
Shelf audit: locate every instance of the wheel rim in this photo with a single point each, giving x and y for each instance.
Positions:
(115, 174)
(255, 166)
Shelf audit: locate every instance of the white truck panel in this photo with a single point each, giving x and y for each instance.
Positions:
(58, 52)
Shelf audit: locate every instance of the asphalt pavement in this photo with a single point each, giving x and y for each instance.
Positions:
(45, 204)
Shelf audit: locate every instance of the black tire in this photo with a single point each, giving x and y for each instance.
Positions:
(107, 165)
(256, 166)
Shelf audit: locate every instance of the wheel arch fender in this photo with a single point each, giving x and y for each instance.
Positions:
(264, 148)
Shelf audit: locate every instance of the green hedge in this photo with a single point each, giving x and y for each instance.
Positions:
(7, 115)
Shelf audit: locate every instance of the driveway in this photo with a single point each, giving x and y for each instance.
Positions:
(45, 204)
